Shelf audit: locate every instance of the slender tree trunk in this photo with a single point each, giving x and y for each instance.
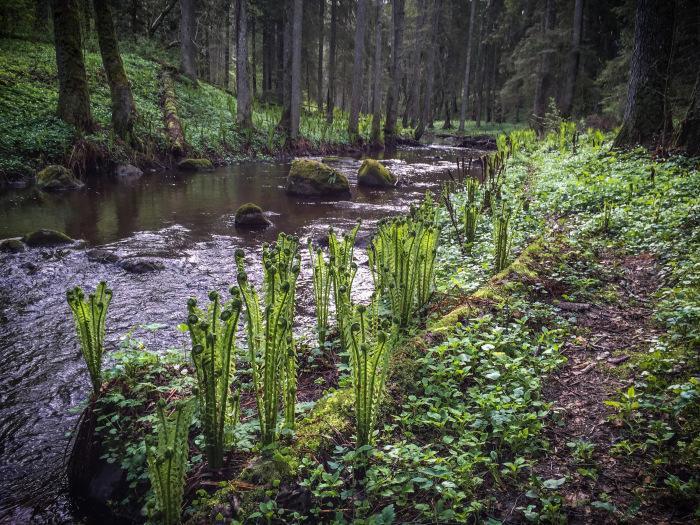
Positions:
(319, 70)
(123, 107)
(296, 68)
(376, 138)
(253, 62)
(227, 45)
(426, 117)
(73, 94)
(645, 114)
(574, 59)
(330, 100)
(544, 76)
(243, 105)
(688, 136)
(357, 71)
(448, 114)
(397, 16)
(188, 63)
(285, 124)
(467, 68)
(413, 113)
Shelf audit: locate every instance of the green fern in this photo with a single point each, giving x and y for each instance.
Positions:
(501, 238)
(90, 319)
(322, 292)
(342, 270)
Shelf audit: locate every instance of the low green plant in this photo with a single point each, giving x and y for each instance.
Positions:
(471, 214)
(271, 349)
(501, 238)
(370, 341)
(607, 216)
(90, 317)
(342, 269)
(213, 335)
(402, 259)
(322, 292)
(167, 461)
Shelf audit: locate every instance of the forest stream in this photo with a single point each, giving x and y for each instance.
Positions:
(156, 240)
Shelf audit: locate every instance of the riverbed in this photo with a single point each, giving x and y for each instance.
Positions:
(156, 240)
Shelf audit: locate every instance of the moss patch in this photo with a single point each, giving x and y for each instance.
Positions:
(57, 178)
(13, 245)
(251, 215)
(46, 238)
(195, 165)
(313, 178)
(373, 173)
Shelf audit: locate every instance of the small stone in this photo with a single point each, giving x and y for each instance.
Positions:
(57, 178)
(311, 178)
(373, 173)
(46, 237)
(251, 216)
(127, 171)
(140, 266)
(195, 165)
(102, 256)
(13, 245)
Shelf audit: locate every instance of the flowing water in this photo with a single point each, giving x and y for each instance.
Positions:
(182, 223)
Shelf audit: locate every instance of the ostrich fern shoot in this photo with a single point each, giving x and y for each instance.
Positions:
(342, 270)
(90, 318)
(271, 349)
(322, 292)
(501, 238)
(471, 214)
(213, 335)
(167, 461)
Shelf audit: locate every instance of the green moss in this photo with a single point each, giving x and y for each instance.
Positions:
(57, 178)
(195, 165)
(250, 215)
(313, 178)
(458, 315)
(13, 245)
(46, 238)
(331, 416)
(374, 173)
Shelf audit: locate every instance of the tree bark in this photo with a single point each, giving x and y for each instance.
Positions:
(319, 71)
(253, 64)
(188, 63)
(159, 19)
(357, 71)
(243, 102)
(544, 76)
(73, 93)
(574, 59)
(285, 124)
(330, 99)
(397, 16)
(227, 48)
(645, 114)
(41, 16)
(426, 117)
(467, 68)
(123, 107)
(376, 137)
(412, 113)
(296, 68)
(688, 136)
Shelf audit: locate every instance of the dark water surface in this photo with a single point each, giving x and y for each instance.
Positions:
(184, 222)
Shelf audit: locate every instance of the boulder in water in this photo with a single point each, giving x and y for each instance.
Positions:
(374, 173)
(57, 178)
(311, 178)
(46, 237)
(251, 216)
(13, 245)
(139, 266)
(195, 165)
(129, 171)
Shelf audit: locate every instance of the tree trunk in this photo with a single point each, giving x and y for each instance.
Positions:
(574, 59)
(645, 114)
(243, 106)
(688, 136)
(544, 77)
(467, 68)
(397, 16)
(123, 107)
(285, 124)
(227, 46)
(73, 94)
(426, 117)
(413, 103)
(253, 63)
(296, 68)
(188, 63)
(41, 16)
(330, 99)
(376, 138)
(319, 71)
(357, 71)
(448, 114)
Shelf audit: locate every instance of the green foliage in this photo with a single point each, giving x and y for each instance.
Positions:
(342, 269)
(322, 292)
(167, 461)
(370, 342)
(501, 238)
(471, 213)
(90, 317)
(402, 260)
(213, 335)
(271, 350)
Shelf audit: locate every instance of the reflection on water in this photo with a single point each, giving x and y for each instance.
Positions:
(184, 222)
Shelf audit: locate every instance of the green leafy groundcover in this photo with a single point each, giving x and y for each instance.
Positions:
(464, 423)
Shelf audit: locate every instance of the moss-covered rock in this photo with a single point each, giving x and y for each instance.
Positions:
(251, 216)
(57, 178)
(195, 165)
(373, 173)
(14, 245)
(311, 178)
(46, 237)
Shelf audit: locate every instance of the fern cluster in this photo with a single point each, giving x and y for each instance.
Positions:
(322, 292)
(342, 269)
(213, 335)
(90, 316)
(501, 238)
